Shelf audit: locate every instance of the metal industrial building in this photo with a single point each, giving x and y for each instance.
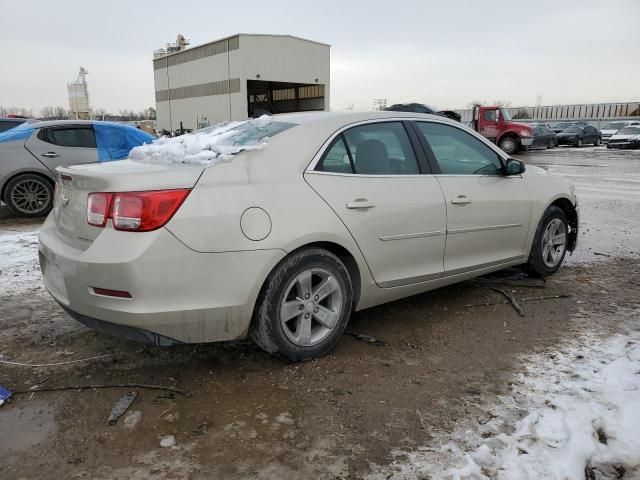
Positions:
(238, 77)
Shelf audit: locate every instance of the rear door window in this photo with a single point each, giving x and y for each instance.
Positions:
(381, 149)
(69, 136)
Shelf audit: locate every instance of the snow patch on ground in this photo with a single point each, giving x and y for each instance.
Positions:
(19, 266)
(204, 147)
(574, 413)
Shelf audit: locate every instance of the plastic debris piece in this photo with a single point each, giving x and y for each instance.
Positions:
(4, 394)
(367, 339)
(121, 406)
(512, 299)
(168, 441)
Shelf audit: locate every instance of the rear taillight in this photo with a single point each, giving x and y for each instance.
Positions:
(98, 205)
(134, 211)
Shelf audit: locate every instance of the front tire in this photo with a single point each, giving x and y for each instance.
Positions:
(550, 243)
(304, 307)
(579, 143)
(509, 145)
(596, 143)
(29, 195)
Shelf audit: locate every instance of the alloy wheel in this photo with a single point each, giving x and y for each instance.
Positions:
(554, 243)
(30, 196)
(311, 307)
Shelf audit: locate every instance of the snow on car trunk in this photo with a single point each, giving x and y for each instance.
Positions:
(211, 145)
(574, 413)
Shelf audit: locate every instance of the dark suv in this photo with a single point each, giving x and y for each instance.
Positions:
(420, 108)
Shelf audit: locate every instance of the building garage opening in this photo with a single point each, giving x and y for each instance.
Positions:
(265, 97)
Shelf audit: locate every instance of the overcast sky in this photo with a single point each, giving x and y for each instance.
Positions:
(444, 53)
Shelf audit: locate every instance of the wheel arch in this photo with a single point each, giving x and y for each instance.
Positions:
(347, 258)
(570, 210)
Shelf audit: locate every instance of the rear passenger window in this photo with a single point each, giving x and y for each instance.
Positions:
(69, 137)
(381, 149)
(336, 158)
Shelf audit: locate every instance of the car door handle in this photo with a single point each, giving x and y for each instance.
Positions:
(50, 155)
(461, 200)
(360, 203)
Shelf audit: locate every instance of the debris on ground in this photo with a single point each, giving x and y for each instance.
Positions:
(168, 441)
(132, 419)
(4, 394)
(367, 339)
(112, 385)
(512, 299)
(121, 406)
(56, 364)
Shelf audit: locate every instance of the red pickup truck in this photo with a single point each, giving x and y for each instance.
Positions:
(495, 123)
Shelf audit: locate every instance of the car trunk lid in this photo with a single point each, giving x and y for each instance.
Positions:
(76, 182)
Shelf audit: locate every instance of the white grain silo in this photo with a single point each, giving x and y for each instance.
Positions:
(79, 97)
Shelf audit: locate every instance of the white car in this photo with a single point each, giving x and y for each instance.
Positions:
(612, 128)
(324, 214)
(627, 137)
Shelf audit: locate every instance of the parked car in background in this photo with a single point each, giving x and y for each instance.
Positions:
(541, 124)
(420, 108)
(163, 249)
(562, 126)
(612, 128)
(9, 123)
(30, 152)
(544, 138)
(627, 137)
(578, 136)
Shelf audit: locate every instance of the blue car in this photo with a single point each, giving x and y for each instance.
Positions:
(30, 152)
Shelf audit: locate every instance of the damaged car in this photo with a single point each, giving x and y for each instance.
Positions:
(279, 228)
(628, 137)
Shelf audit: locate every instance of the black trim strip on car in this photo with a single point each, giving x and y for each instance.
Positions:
(423, 163)
(426, 149)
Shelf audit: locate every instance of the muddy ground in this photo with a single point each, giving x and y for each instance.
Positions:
(249, 415)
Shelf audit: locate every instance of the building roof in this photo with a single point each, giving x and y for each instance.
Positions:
(241, 35)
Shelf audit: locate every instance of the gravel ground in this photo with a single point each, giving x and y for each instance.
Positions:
(446, 362)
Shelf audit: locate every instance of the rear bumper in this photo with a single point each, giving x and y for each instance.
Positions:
(178, 295)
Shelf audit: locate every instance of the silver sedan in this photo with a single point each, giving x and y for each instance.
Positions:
(279, 229)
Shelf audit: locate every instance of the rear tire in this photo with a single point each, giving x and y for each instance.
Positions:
(29, 195)
(509, 145)
(304, 307)
(550, 243)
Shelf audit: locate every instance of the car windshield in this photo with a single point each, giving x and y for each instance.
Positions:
(614, 126)
(562, 125)
(629, 131)
(574, 130)
(505, 115)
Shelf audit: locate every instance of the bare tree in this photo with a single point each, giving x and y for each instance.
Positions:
(60, 113)
(100, 113)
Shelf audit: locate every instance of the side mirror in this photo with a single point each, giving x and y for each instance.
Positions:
(514, 167)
